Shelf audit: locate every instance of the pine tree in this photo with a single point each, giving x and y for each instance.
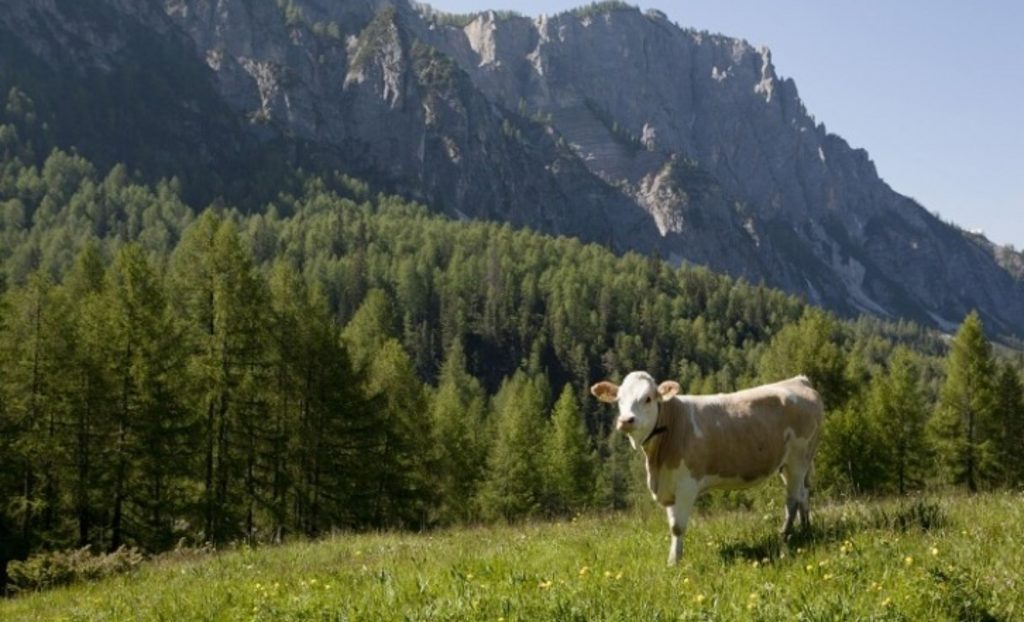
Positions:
(152, 426)
(320, 436)
(897, 405)
(810, 347)
(90, 404)
(1009, 413)
(396, 486)
(36, 343)
(371, 325)
(854, 452)
(514, 485)
(457, 415)
(10, 465)
(619, 478)
(223, 300)
(569, 458)
(963, 425)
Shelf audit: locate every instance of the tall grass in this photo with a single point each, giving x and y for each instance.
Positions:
(937, 558)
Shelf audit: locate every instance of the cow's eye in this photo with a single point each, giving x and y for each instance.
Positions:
(648, 400)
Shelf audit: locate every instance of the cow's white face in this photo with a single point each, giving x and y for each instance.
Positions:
(638, 399)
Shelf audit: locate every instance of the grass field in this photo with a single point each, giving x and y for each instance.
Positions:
(935, 558)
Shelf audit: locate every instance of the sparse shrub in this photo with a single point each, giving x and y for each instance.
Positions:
(55, 568)
(907, 515)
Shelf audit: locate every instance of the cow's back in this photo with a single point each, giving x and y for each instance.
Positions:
(740, 437)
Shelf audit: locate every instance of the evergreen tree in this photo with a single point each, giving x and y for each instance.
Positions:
(396, 486)
(620, 477)
(398, 476)
(811, 347)
(320, 435)
(964, 424)
(854, 451)
(91, 401)
(223, 299)
(897, 406)
(569, 458)
(152, 426)
(457, 416)
(1009, 413)
(514, 484)
(372, 324)
(36, 343)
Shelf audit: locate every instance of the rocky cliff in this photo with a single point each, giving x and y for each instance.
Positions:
(607, 123)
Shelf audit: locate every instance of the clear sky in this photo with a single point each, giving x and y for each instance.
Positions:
(933, 89)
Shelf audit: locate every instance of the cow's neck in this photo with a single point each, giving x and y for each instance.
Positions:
(658, 430)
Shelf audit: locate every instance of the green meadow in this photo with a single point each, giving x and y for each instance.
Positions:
(954, 557)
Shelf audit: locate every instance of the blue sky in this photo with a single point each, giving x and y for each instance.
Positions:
(933, 89)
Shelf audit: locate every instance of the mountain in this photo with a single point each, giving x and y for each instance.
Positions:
(606, 123)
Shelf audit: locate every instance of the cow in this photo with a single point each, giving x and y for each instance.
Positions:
(694, 443)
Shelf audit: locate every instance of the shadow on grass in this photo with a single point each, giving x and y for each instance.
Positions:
(835, 525)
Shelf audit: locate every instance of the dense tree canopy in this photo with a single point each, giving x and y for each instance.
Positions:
(340, 360)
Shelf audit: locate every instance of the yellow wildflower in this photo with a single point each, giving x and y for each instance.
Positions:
(935, 551)
(886, 602)
(699, 598)
(544, 584)
(908, 561)
(584, 570)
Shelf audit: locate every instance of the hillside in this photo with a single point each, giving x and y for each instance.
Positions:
(212, 332)
(954, 559)
(606, 123)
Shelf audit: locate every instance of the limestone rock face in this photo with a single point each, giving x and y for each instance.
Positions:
(613, 125)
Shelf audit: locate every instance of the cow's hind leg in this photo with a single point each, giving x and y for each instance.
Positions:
(796, 497)
(805, 500)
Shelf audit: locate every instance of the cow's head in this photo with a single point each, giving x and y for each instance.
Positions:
(638, 399)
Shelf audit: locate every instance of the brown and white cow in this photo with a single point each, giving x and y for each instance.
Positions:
(694, 443)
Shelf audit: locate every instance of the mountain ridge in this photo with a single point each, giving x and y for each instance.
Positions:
(606, 123)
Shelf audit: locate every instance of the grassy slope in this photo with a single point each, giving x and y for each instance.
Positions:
(952, 558)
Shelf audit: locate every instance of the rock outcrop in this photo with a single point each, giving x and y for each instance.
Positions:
(607, 123)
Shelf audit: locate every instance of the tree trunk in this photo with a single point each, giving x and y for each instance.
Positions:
(208, 482)
(116, 524)
(971, 483)
(82, 493)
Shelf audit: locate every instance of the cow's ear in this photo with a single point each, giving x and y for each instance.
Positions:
(668, 389)
(605, 391)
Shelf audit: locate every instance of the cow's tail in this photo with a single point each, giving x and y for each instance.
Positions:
(809, 479)
(812, 452)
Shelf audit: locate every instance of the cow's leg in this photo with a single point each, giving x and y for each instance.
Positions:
(796, 495)
(805, 500)
(805, 505)
(679, 516)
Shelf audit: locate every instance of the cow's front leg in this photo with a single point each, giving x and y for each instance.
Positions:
(679, 516)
